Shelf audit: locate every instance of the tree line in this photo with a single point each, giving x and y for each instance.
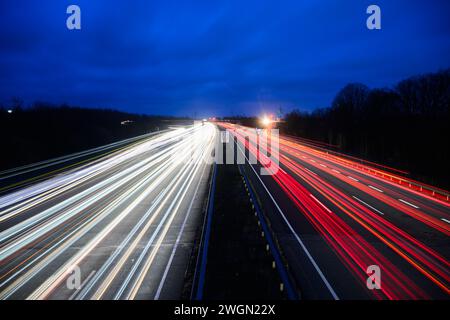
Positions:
(406, 126)
(43, 130)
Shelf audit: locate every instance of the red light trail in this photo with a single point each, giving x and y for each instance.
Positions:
(355, 252)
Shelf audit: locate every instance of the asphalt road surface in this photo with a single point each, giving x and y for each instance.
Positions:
(334, 221)
(119, 227)
(122, 225)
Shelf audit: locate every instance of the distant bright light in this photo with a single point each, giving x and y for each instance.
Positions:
(204, 120)
(266, 121)
(9, 111)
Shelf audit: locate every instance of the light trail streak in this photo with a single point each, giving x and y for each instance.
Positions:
(126, 175)
(430, 217)
(340, 236)
(52, 162)
(175, 247)
(85, 207)
(297, 237)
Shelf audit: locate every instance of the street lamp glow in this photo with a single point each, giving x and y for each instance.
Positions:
(9, 111)
(266, 121)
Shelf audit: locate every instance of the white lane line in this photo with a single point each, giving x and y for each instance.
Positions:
(320, 203)
(171, 212)
(445, 220)
(352, 178)
(119, 179)
(323, 165)
(52, 162)
(59, 275)
(157, 197)
(124, 244)
(311, 171)
(335, 170)
(313, 160)
(372, 187)
(297, 237)
(177, 241)
(82, 285)
(70, 238)
(408, 203)
(365, 203)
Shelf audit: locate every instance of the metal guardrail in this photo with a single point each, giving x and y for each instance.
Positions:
(54, 161)
(370, 167)
(282, 270)
(200, 266)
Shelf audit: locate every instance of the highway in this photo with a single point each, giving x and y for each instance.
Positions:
(118, 227)
(121, 224)
(334, 218)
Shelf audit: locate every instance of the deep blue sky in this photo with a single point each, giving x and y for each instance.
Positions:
(214, 57)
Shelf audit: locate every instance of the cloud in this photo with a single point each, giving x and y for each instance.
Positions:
(213, 57)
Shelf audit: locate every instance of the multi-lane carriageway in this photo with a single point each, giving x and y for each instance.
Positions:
(127, 220)
(124, 222)
(336, 217)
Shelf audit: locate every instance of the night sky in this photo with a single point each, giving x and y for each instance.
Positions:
(211, 57)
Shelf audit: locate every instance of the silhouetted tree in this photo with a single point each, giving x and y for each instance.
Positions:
(44, 130)
(407, 126)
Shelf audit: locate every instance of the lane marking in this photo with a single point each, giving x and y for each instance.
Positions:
(297, 237)
(445, 220)
(45, 289)
(320, 203)
(115, 146)
(157, 197)
(178, 200)
(271, 246)
(313, 160)
(124, 244)
(354, 179)
(408, 203)
(335, 170)
(82, 285)
(177, 241)
(365, 203)
(372, 187)
(323, 165)
(185, 179)
(311, 171)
